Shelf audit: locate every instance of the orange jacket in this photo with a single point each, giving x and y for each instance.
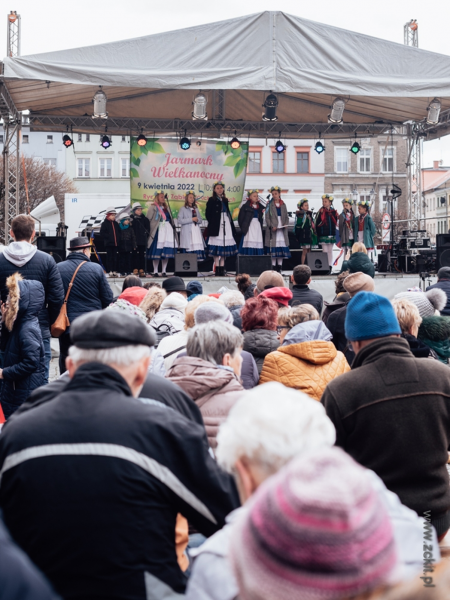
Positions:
(308, 366)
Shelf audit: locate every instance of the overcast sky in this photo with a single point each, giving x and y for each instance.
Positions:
(55, 25)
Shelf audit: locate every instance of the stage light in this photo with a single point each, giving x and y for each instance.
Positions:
(185, 143)
(106, 142)
(433, 112)
(270, 104)
(355, 147)
(235, 143)
(280, 147)
(337, 110)
(319, 147)
(67, 141)
(199, 113)
(142, 140)
(100, 105)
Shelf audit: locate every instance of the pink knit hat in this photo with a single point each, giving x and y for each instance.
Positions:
(315, 530)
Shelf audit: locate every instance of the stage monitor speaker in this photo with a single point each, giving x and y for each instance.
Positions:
(186, 263)
(53, 245)
(405, 263)
(253, 265)
(318, 263)
(382, 263)
(443, 250)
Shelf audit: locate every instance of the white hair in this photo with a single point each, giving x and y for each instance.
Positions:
(212, 340)
(232, 298)
(271, 424)
(123, 356)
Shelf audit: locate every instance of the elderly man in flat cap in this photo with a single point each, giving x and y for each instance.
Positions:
(92, 481)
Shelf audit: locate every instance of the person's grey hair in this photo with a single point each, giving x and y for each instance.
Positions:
(232, 298)
(123, 356)
(78, 250)
(211, 341)
(270, 425)
(212, 311)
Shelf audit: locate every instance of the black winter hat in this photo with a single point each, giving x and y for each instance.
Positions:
(101, 329)
(174, 284)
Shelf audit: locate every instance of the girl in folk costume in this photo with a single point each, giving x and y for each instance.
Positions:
(304, 227)
(251, 223)
(364, 225)
(326, 223)
(277, 221)
(162, 240)
(222, 233)
(190, 219)
(347, 224)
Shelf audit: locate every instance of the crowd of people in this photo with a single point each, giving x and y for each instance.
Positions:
(256, 443)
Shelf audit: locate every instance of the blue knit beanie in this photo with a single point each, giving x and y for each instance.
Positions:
(370, 316)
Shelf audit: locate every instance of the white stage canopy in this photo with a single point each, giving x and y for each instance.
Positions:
(306, 63)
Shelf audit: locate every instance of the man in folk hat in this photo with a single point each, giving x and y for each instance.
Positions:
(141, 228)
(90, 289)
(110, 232)
(113, 471)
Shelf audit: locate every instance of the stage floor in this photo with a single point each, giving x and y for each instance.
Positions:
(386, 284)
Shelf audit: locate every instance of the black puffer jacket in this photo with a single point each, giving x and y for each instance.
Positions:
(259, 343)
(213, 215)
(41, 267)
(24, 365)
(110, 232)
(141, 228)
(127, 241)
(90, 290)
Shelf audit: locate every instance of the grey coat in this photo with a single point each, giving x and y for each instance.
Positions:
(153, 215)
(343, 229)
(185, 220)
(272, 221)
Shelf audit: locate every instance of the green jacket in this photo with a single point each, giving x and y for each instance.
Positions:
(357, 262)
(369, 231)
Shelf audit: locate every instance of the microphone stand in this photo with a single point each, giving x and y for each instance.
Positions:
(224, 235)
(269, 226)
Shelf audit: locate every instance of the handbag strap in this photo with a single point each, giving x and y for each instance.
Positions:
(72, 280)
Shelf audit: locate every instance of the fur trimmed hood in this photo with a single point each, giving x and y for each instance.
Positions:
(152, 302)
(26, 299)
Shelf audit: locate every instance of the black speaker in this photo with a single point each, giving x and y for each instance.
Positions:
(53, 245)
(443, 250)
(186, 263)
(318, 263)
(253, 265)
(382, 263)
(405, 263)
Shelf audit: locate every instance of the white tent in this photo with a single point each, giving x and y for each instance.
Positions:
(305, 62)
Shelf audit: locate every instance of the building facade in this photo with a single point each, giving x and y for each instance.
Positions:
(436, 196)
(39, 144)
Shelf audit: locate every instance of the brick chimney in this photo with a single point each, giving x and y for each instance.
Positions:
(436, 164)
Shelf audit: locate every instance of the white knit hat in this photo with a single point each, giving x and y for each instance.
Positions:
(427, 302)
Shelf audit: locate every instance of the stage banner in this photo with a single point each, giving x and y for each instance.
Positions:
(162, 165)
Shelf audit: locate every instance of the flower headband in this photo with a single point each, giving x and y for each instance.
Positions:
(275, 188)
(366, 203)
(158, 192)
(328, 197)
(301, 202)
(218, 183)
(348, 200)
(250, 192)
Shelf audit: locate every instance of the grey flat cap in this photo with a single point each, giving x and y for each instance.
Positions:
(102, 329)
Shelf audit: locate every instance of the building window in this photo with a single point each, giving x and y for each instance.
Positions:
(277, 162)
(364, 197)
(124, 167)
(25, 139)
(1, 139)
(387, 164)
(49, 161)
(49, 139)
(302, 162)
(254, 162)
(88, 137)
(364, 160)
(84, 167)
(341, 155)
(105, 167)
(80, 137)
(124, 138)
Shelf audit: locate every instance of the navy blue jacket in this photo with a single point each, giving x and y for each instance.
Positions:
(41, 267)
(19, 578)
(24, 364)
(90, 290)
(443, 284)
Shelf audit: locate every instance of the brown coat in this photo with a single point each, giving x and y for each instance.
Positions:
(213, 389)
(308, 366)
